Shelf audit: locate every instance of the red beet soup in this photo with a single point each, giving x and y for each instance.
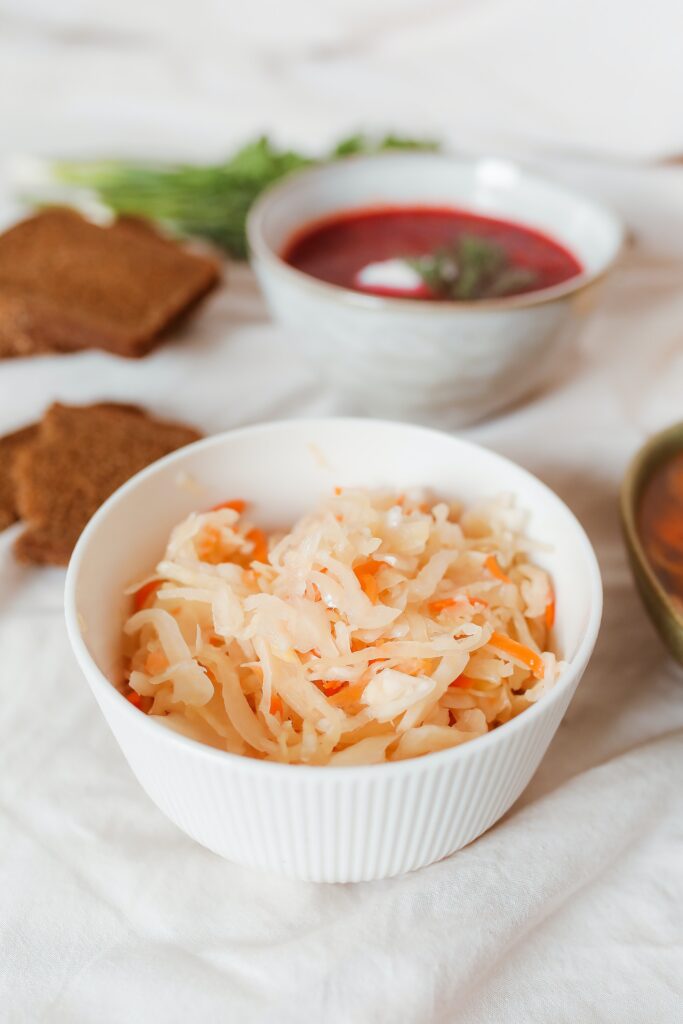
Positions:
(440, 245)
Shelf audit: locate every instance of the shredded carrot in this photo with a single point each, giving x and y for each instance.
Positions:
(328, 686)
(216, 641)
(155, 662)
(369, 586)
(523, 653)
(370, 567)
(237, 504)
(550, 612)
(258, 539)
(276, 704)
(463, 682)
(435, 607)
(142, 595)
(312, 592)
(365, 573)
(337, 491)
(491, 564)
(348, 695)
(138, 701)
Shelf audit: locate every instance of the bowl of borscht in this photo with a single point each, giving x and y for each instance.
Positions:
(429, 287)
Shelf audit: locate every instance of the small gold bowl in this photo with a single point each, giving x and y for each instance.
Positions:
(667, 618)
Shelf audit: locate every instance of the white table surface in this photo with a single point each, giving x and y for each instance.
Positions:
(570, 909)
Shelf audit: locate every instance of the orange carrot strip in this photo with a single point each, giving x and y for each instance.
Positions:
(491, 564)
(134, 698)
(369, 586)
(328, 686)
(276, 704)
(371, 567)
(348, 695)
(141, 596)
(523, 653)
(365, 573)
(550, 612)
(462, 681)
(236, 504)
(337, 491)
(435, 607)
(258, 539)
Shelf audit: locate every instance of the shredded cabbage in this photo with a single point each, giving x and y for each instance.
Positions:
(380, 627)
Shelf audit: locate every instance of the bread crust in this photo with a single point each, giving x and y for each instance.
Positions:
(67, 284)
(77, 458)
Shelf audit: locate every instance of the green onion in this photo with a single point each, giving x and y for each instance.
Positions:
(206, 201)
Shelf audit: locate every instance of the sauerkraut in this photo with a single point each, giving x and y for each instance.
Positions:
(382, 626)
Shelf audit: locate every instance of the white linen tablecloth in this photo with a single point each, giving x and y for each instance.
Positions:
(570, 909)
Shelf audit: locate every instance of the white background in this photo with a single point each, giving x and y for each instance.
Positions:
(570, 908)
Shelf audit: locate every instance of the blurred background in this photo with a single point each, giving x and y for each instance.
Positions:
(178, 79)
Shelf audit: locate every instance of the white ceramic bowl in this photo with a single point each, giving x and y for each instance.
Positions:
(321, 823)
(443, 363)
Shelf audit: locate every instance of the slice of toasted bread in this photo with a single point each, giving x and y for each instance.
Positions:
(10, 446)
(67, 284)
(79, 456)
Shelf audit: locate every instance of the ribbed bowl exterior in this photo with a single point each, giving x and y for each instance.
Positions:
(323, 825)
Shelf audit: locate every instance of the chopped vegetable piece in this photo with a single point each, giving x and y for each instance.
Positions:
(463, 682)
(349, 694)
(435, 607)
(491, 564)
(237, 505)
(258, 539)
(519, 651)
(141, 596)
(369, 586)
(550, 612)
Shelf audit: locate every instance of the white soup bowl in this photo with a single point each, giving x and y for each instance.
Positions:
(444, 363)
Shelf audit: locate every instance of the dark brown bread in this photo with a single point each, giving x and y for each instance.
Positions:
(10, 446)
(67, 284)
(80, 455)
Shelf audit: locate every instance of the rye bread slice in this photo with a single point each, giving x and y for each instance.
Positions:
(67, 284)
(10, 446)
(79, 456)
